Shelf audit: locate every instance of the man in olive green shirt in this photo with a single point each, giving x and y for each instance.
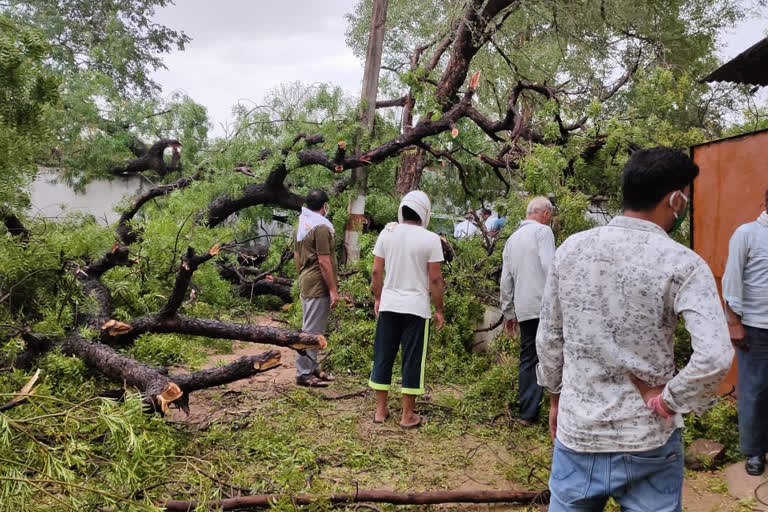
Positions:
(315, 257)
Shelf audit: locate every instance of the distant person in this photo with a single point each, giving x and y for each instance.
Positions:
(745, 289)
(498, 223)
(488, 218)
(315, 256)
(525, 264)
(606, 346)
(406, 274)
(466, 228)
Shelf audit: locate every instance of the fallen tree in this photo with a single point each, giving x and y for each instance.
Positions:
(367, 496)
(159, 389)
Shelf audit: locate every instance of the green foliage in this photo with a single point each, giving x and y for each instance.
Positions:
(166, 350)
(116, 44)
(27, 91)
(63, 455)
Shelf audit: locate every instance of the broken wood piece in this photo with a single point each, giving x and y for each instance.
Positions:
(170, 394)
(23, 394)
(116, 328)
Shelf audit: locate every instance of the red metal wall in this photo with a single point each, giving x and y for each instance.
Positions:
(729, 191)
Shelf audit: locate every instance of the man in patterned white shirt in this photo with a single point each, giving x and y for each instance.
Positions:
(605, 346)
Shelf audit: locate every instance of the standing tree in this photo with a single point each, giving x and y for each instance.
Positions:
(356, 209)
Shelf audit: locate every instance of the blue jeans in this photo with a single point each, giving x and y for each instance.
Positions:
(650, 481)
(752, 390)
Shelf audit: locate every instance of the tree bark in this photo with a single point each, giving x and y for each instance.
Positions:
(470, 37)
(356, 208)
(254, 194)
(90, 278)
(411, 169)
(372, 496)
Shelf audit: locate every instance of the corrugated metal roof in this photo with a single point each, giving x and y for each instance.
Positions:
(749, 67)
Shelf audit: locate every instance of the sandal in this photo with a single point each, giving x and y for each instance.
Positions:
(379, 422)
(422, 421)
(310, 381)
(326, 377)
(522, 422)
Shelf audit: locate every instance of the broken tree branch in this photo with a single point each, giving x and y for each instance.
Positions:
(121, 332)
(21, 397)
(90, 278)
(363, 495)
(124, 231)
(159, 389)
(152, 160)
(189, 263)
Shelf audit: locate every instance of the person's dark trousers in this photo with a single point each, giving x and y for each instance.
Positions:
(529, 391)
(752, 391)
(395, 330)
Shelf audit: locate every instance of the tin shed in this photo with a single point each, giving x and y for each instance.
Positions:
(729, 191)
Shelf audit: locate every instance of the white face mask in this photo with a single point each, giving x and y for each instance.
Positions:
(327, 209)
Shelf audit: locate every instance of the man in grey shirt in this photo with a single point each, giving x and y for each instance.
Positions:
(526, 260)
(745, 289)
(606, 346)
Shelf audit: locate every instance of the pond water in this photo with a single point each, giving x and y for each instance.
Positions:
(51, 199)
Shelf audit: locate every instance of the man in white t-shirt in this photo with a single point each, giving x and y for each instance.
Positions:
(410, 256)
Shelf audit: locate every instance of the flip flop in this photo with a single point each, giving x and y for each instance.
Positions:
(326, 377)
(522, 422)
(379, 422)
(311, 382)
(422, 421)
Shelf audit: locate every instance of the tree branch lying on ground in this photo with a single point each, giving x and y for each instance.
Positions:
(368, 496)
(159, 389)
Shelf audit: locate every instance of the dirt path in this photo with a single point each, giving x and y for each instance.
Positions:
(461, 462)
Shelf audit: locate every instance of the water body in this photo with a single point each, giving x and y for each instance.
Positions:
(51, 199)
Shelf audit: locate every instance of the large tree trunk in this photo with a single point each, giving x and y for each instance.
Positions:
(356, 208)
(371, 496)
(411, 169)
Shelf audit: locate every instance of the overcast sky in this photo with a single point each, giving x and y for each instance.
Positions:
(241, 49)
